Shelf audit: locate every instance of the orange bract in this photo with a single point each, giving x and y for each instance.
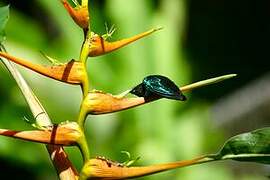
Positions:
(64, 134)
(80, 14)
(99, 46)
(102, 103)
(72, 72)
(105, 169)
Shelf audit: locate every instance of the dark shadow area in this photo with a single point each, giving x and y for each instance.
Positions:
(15, 171)
(34, 10)
(227, 37)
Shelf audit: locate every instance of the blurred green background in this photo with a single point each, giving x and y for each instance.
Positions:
(200, 40)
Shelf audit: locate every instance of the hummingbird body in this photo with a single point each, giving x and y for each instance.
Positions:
(157, 85)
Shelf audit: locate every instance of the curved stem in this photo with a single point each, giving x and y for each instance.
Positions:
(83, 57)
(85, 88)
(85, 47)
(83, 146)
(85, 83)
(82, 115)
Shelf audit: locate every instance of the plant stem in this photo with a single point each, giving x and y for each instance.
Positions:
(85, 88)
(83, 142)
(82, 115)
(83, 57)
(83, 145)
(85, 84)
(85, 47)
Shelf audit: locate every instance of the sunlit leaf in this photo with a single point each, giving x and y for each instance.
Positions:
(250, 147)
(4, 15)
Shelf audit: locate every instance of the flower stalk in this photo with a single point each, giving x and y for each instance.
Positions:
(83, 146)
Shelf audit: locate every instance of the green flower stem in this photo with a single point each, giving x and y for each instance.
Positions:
(83, 57)
(85, 88)
(85, 85)
(85, 4)
(82, 116)
(84, 147)
(86, 47)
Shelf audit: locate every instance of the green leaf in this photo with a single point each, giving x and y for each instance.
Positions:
(4, 15)
(250, 147)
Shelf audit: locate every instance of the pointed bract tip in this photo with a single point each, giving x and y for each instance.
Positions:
(228, 76)
(158, 28)
(207, 82)
(220, 78)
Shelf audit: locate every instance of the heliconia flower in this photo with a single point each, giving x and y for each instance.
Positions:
(79, 14)
(105, 169)
(101, 103)
(72, 72)
(66, 134)
(99, 46)
(98, 102)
